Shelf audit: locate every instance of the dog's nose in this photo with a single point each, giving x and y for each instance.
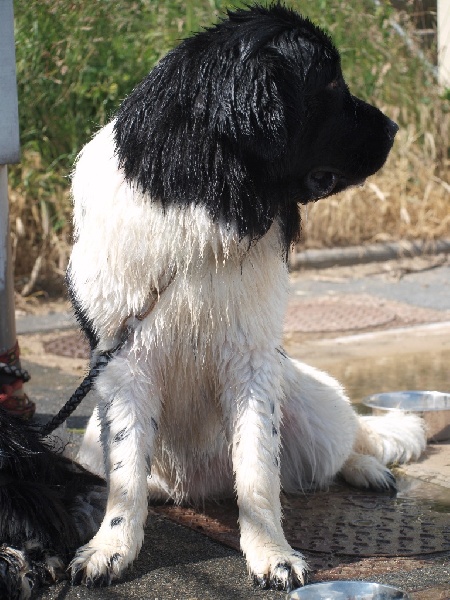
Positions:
(391, 128)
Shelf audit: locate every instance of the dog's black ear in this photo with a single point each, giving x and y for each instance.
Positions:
(250, 107)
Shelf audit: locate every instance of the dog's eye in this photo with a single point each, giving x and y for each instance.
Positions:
(322, 183)
(324, 177)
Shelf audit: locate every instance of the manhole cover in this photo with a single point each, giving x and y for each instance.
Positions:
(365, 525)
(73, 346)
(335, 314)
(336, 522)
(354, 312)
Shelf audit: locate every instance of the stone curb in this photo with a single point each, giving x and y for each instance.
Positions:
(353, 255)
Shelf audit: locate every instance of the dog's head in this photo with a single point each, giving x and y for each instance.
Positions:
(249, 118)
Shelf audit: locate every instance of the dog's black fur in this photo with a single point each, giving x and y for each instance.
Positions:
(250, 118)
(49, 505)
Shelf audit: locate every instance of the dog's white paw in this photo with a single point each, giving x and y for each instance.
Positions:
(282, 571)
(364, 471)
(96, 568)
(103, 560)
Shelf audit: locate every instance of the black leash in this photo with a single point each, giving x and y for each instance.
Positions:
(85, 386)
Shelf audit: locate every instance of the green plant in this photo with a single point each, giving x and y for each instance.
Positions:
(77, 59)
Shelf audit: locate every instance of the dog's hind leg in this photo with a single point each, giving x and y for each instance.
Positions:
(251, 408)
(318, 427)
(320, 431)
(323, 436)
(129, 411)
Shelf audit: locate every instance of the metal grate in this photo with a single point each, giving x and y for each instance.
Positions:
(336, 522)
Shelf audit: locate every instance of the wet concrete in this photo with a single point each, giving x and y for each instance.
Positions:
(423, 282)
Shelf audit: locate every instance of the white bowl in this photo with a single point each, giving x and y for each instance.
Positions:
(347, 590)
(433, 407)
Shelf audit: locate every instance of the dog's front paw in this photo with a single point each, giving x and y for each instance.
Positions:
(283, 572)
(94, 567)
(107, 555)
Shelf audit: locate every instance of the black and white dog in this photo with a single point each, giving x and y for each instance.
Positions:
(48, 507)
(185, 207)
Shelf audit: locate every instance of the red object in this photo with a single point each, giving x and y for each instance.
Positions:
(12, 395)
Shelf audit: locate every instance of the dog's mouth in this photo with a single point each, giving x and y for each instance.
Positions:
(323, 182)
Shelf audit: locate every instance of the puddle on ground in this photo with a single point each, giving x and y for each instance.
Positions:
(436, 497)
(366, 375)
(362, 377)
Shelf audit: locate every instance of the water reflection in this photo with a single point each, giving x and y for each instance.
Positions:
(372, 375)
(436, 497)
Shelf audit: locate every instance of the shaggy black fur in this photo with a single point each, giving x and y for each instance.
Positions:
(249, 118)
(49, 505)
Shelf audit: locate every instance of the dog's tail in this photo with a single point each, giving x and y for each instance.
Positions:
(394, 438)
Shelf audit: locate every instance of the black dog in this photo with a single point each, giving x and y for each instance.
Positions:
(48, 507)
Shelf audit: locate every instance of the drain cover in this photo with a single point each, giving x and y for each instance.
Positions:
(336, 522)
(353, 312)
(365, 525)
(335, 314)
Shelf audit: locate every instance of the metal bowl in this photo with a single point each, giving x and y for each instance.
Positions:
(348, 590)
(433, 407)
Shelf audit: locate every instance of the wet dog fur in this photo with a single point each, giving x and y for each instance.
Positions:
(185, 207)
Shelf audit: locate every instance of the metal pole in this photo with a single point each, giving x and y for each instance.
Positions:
(7, 319)
(9, 153)
(12, 395)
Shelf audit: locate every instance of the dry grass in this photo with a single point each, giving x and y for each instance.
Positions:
(40, 216)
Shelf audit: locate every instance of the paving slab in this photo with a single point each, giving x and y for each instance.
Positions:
(433, 467)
